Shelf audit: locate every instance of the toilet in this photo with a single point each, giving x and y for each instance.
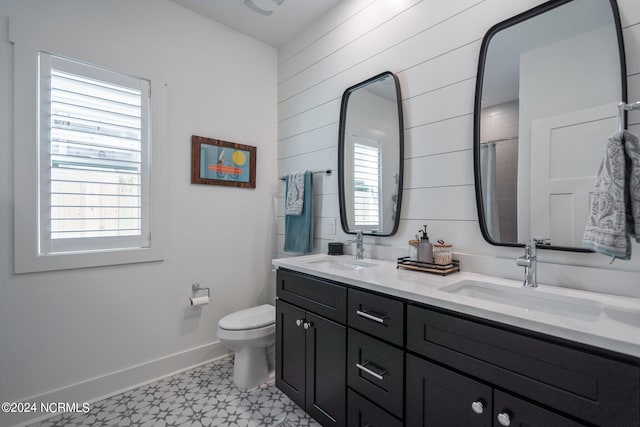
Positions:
(251, 334)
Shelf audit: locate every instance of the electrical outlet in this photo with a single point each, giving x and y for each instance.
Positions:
(331, 226)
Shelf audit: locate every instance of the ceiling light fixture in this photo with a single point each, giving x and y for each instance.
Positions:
(265, 12)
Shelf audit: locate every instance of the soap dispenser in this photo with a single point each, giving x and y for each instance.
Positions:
(425, 249)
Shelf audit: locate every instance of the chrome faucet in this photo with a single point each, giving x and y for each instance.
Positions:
(359, 244)
(529, 262)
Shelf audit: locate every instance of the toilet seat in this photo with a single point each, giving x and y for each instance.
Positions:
(248, 334)
(249, 319)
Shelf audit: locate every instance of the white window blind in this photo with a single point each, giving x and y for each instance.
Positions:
(94, 151)
(366, 183)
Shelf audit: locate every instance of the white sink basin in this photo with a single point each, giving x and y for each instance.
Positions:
(535, 300)
(343, 263)
(628, 316)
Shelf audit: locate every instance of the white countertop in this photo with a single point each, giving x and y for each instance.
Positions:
(615, 327)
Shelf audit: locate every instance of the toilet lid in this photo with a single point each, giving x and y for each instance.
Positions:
(250, 318)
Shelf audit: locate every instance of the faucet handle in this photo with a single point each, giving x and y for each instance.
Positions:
(530, 249)
(358, 236)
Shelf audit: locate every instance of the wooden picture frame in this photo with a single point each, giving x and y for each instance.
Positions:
(217, 162)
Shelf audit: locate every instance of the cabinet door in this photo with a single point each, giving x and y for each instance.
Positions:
(514, 412)
(439, 397)
(363, 413)
(326, 379)
(290, 351)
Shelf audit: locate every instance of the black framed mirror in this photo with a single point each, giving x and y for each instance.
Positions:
(370, 156)
(548, 84)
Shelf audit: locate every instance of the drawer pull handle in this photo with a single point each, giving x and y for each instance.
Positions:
(299, 322)
(478, 406)
(370, 316)
(377, 375)
(504, 418)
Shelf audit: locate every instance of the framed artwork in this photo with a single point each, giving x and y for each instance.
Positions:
(217, 162)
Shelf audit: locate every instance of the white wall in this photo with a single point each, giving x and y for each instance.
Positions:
(433, 47)
(77, 334)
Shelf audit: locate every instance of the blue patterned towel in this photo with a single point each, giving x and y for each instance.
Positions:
(294, 198)
(614, 214)
(298, 229)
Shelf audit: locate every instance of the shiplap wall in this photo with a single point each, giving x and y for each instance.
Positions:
(433, 47)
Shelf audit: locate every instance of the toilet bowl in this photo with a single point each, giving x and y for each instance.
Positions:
(251, 335)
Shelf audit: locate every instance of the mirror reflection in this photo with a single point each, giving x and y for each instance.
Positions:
(370, 152)
(548, 86)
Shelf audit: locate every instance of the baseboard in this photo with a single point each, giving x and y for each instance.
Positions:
(117, 382)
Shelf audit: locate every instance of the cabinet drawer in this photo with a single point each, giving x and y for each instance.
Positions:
(598, 389)
(320, 296)
(362, 413)
(379, 316)
(375, 369)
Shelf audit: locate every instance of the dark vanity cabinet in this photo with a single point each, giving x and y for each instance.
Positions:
(357, 358)
(311, 343)
(335, 346)
(472, 373)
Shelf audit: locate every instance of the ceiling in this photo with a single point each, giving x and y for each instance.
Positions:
(274, 22)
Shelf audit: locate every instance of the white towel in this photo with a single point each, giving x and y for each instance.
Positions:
(294, 199)
(615, 204)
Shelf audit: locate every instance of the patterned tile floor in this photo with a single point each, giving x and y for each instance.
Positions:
(203, 396)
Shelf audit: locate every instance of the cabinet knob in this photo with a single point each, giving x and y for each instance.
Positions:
(299, 322)
(307, 325)
(478, 406)
(504, 418)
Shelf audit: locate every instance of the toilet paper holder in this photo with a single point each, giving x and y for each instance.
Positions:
(197, 288)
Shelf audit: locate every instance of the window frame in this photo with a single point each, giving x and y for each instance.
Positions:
(46, 63)
(26, 206)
